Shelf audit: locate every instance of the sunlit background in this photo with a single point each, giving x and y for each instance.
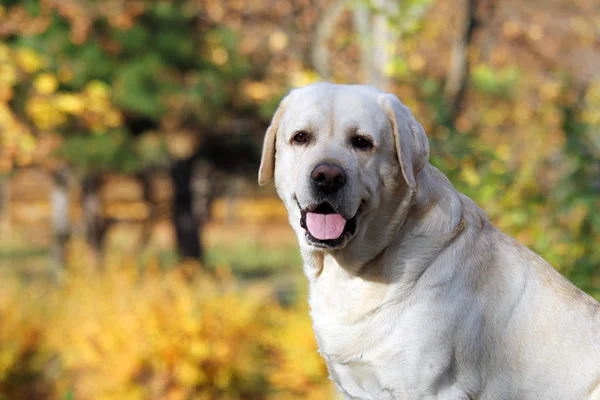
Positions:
(139, 259)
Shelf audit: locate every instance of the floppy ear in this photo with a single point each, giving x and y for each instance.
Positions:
(410, 139)
(267, 162)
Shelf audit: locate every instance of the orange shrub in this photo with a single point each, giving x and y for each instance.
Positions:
(124, 335)
(21, 335)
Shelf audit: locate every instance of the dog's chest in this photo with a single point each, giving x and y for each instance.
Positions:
(358, 356)
(358, 380)
(385, 354)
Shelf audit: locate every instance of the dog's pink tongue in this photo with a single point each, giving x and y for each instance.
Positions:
(325, 226)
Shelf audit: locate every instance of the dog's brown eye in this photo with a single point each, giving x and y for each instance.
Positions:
(300, 137)
(361, 143)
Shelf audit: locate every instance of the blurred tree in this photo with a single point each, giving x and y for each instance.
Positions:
(516, 142)
(103, 76)
(324, 29)
(494, 83)
(512, 89)
(457, 80)
(61, 226)
(378, 28)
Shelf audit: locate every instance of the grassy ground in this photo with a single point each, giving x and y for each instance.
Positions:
(253, 251)
(250, 250)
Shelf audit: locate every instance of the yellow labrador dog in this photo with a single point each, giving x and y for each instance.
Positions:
(413, 293)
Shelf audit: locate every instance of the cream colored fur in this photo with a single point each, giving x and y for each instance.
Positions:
(427, 300)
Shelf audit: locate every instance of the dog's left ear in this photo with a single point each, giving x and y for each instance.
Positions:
(411, 141)
(267, 162)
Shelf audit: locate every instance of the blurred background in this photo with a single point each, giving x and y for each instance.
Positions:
(139, 259)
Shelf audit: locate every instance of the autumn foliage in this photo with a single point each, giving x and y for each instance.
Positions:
(153, 335)
(112, 89)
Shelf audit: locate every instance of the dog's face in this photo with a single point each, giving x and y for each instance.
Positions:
(339, 154)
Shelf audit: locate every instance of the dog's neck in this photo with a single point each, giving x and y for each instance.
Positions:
(419, 228)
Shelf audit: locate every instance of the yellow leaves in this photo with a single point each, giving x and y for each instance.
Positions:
(278, 41)
(29, 60)
(45, 83)
(8, 359)
(119, 335)
(28, 143)
(222, 380)
(535, 32)
(523, 113)
(592, 116)
(416, 62)
(591, 112)
(464, 123)
(8, 75)
(44, 107)
(511, 28)
(580, 25)
(302, 369)
(303, 78)
(97, 90)
(6, 93)
(51, 110)
(199, 350)
(257, 91)
(219, 56)
(500, 55)
(494, 117)
(215, 10)
(470, 175)
(549, 91)
(593, 93)
(17, 142)
(182, 143)
(221, 350)
(389, 69)
(189, 374)
(248, 44)
(5, 53)
(503, 152)
(498, 167)
(137, 211)
(20, 327)
(113, 118)
(70, 103)
(577, 215)
(42, 112)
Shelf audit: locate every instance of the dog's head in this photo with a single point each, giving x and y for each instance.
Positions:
(342, 157)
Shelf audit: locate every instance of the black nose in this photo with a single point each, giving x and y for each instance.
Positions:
(328, 177)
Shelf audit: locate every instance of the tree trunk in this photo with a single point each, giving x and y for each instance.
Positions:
(362, 24)
(204, 189)
(458, 75)
(374, 33)
(184, 219)
(323, 31)
(61, 226)
(383, 37)
(146, 178)
(93, 221)
(375, 37)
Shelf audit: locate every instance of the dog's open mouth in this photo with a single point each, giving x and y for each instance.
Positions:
(325, 227)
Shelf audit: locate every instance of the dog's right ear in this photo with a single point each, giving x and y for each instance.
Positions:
(410, 139)
(267, 162)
